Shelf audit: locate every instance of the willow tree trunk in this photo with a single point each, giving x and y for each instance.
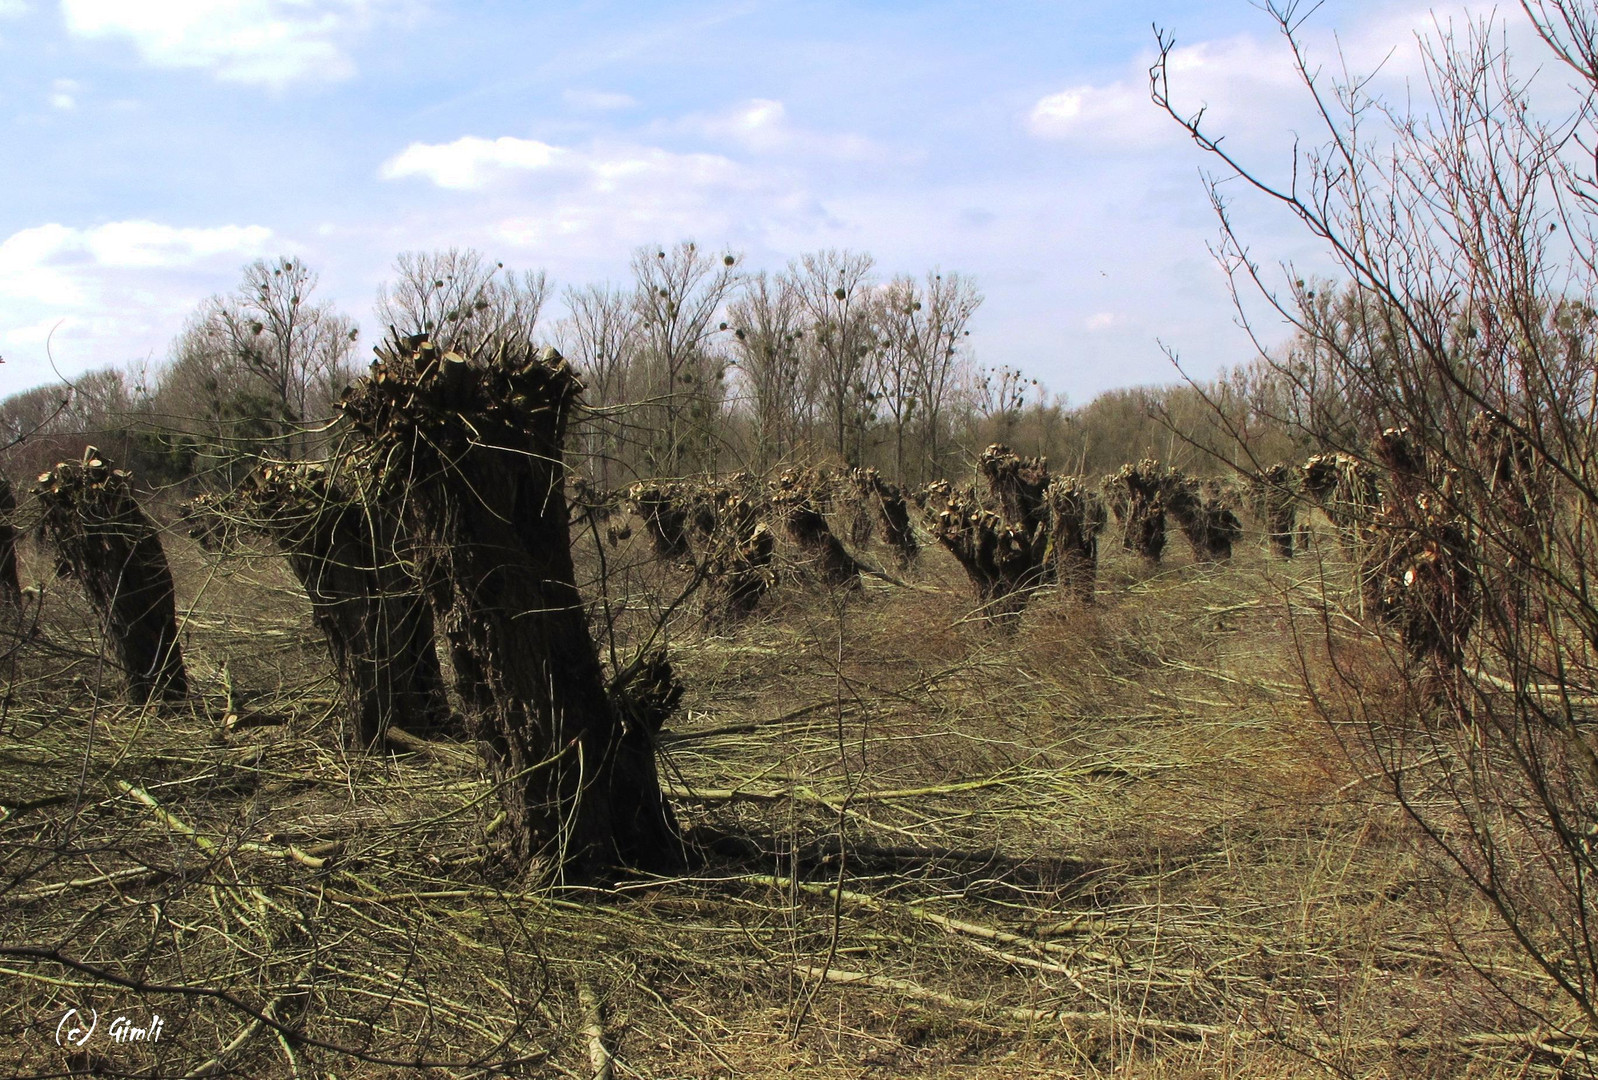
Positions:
(1003, 564)
(472, 450)
(1076, 517)
(105, 541)
(809, 531)
(896, 528)
(665, 518)
(376, 622)
(10, 582)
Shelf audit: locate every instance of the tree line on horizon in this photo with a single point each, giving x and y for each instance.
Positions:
(694, 367)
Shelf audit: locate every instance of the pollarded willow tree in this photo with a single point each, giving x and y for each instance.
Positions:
(372, 615)
(471, 449)
(1466, 230)
(102, 539)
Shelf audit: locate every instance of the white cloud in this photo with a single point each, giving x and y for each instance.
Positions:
(1249, 88)
(109, 292)
(1103, 320)
(471, 162)
(585, 204)
(1241, 83)
(64, 94)
(598, 100)
(761, 126)
(271, 42)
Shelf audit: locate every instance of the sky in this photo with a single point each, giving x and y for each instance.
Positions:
(149, 150)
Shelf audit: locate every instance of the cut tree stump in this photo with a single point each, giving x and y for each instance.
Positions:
(739, 566)
(1003, 564)
(894, 514)
(795, 493)
(1209, 524)
(663, 508)
(472, 449)
(1076, 516)
(1137, 494)
(371, 612)
(1275, 502)
(103, 540)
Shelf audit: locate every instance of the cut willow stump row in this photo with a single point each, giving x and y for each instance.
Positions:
(472, 449)
(1209, 524)
(892, 511)
(1275, 503)
(662, 507)
(372, 614)
(1346, 491)
(1137, 496)
(1418, 565)
(1017, 486)
(739, 567)
(104, 541)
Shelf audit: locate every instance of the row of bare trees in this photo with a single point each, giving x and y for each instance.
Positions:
(693, 366)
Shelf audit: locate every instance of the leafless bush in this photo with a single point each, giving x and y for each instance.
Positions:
(1467, 322)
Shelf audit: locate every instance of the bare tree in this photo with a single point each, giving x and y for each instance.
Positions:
(999, 395)
(600, 337)
(461, 302)
(835, 288)
(679, 299)
(948, 301)
(271, 335)
(922, 327)
(768, 331)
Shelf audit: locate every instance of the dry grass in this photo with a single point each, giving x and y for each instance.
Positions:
(1114, 842)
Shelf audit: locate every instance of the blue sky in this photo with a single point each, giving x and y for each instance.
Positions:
(149, 150)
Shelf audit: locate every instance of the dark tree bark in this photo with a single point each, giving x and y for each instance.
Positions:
(102, 539)
(1418, 566)
(1076, 516)
(1018, 485)
(809, 531)
(1418, 576)
(372, 614)
(1210, 526)
(895, 514)
(473, 452)
(1345, 489)
(10, 582)
(861, 504)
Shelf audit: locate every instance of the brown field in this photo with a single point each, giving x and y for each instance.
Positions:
(1117, 841)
